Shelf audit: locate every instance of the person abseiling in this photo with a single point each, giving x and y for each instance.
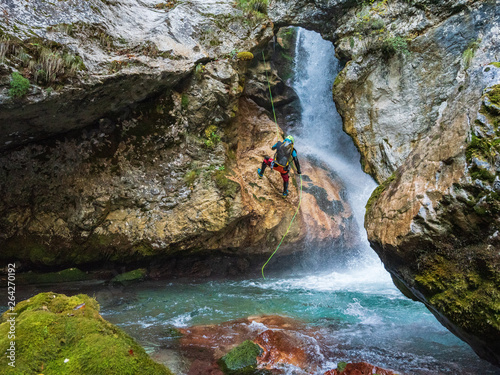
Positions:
(285, 152)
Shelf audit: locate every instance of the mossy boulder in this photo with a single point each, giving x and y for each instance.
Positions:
(131, 276)
(57, 334)
(67, 275)
(242, 360)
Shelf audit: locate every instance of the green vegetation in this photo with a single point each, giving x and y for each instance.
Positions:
(494, 94)
(253, 6)
(341, 366)
(66, 335)
(67, 275)
(184, 101)
(199, 70)
(481, 174)
(255, 11)
(213, 138)
(495, 64)
(486, 147)
(244, 56)
(378, 192)
(470, 51)
(19, 86)
(242, 359)
(191, 176)
(224, 184)
(461, 293)
(395, 45)
(127, 277)
(45, 62)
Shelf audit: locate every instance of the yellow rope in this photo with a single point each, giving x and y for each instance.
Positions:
(300, 197)
(271, 96)
(282, 238)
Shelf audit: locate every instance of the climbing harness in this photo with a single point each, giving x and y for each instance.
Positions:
(300, 196)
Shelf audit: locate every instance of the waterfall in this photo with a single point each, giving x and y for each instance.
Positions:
(320, 135)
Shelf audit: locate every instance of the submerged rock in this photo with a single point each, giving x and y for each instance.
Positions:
(242, 359)
(359, 368)
(130, 277)
(59, 334)
(265, 345)
(67, 275)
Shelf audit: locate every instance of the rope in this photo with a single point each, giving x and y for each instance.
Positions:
(271, 96)
(282, 238)
(300, 197)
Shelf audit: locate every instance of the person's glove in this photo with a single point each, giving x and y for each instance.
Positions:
(299, 172)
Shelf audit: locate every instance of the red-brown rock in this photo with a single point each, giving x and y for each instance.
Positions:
(280, 348)
(360, 368)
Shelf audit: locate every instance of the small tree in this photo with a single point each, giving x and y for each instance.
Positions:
(19, 86)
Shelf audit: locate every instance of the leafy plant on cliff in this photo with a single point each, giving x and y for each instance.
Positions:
(224, 184)
(19, 86)
(470, 51)
(47, 62)
(191, 176)
(255, 10)
(259, 6)
(213, 138)
(395, 45)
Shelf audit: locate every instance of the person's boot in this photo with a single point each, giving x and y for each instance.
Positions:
(259, 172)
(285, 189)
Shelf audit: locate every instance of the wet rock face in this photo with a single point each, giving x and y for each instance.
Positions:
(415, 95)
(164, 181)
(435, 221)
(166, 162)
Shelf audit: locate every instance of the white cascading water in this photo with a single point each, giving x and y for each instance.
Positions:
(320, 134)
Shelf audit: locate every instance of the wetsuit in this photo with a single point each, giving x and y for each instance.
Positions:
(283, 170)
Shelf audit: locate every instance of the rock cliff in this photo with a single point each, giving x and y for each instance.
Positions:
(127, 176)
(135, 137)
(419, 97)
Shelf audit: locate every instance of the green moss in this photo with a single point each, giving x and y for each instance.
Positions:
(253, 6)
(213, 138)
(67, 275)
(184, 101)
(460, 294)
(191, 176)
(481, 174)
(245, 55)
(494, 94)
(378, 192)
(135, 275)
(242, 359)
(470, 51)
(394, 45)
(341, 366)
(58, 339)
(19, 86)
(225, 185)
